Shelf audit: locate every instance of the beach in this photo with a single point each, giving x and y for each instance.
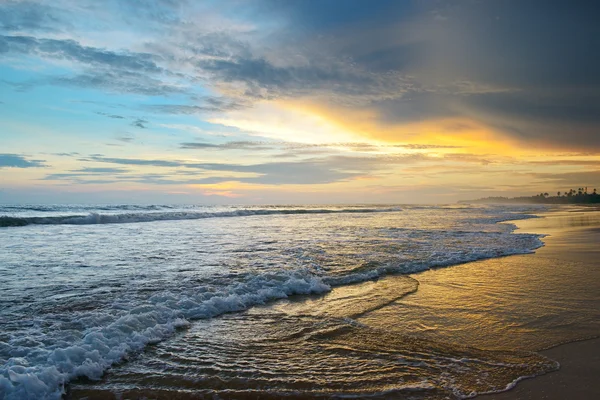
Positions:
(419, 302)
(576, 379)
(580, 360)
(521, 304)
(537, 301)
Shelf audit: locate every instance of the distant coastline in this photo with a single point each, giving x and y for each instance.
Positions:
(579, 196)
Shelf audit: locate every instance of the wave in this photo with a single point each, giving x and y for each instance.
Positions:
(160, 316)
(148, 323)
(124, 218)
(39, 368)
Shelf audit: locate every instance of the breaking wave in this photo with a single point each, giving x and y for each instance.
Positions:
(84, 340)
(124, 218)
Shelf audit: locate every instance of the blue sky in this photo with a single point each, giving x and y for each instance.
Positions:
(273, 101)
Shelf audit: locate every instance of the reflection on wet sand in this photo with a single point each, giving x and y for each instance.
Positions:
(446, 333)
(311, 348)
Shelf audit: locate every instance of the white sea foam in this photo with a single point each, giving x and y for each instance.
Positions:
(60, 344)
(40, 372)
(97, 217)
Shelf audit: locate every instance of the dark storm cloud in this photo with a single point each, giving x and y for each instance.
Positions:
(529, 69)
(328, 15)
(339, 81)
(19, 161)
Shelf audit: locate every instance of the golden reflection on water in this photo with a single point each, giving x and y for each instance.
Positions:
(523, 302)
(445, 333)
(349, 301)
(314, 347)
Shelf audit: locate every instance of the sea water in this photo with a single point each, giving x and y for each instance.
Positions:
(170, 298)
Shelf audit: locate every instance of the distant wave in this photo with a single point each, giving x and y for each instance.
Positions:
(124, 218)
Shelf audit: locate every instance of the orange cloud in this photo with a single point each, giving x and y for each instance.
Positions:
(366, 124)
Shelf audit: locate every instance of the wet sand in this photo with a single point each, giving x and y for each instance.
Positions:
(518, 303)
(576, 379)
(575, 236)
(529, 302)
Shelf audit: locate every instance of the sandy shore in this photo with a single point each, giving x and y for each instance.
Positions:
(520, 303)
(576, 379)
(526, 302)
(574, 237)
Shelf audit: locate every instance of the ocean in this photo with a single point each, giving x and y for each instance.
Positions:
(241, 301)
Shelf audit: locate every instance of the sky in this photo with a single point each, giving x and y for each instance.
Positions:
(297, 101)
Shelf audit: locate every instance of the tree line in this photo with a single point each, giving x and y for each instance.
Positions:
(580, 196)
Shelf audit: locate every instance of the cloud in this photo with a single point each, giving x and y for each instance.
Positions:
(82, 175)
(139, 123)
(112, 81)
(206, 105)
(578, 178)
(405, 65)
(122, 71)
(415, 146)
(133, 161)
(73, 51)
(90, 170)
(492, 66)
(235, 145)
(113, 116)
(593, 163)
(296, 148)
(310, 171)
(125, 138)
(469, 158)
(19, 161)
(16, 16)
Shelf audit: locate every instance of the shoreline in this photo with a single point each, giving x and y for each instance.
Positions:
(522, 270)
(576, 377)
(535, 302)
(579, 359)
